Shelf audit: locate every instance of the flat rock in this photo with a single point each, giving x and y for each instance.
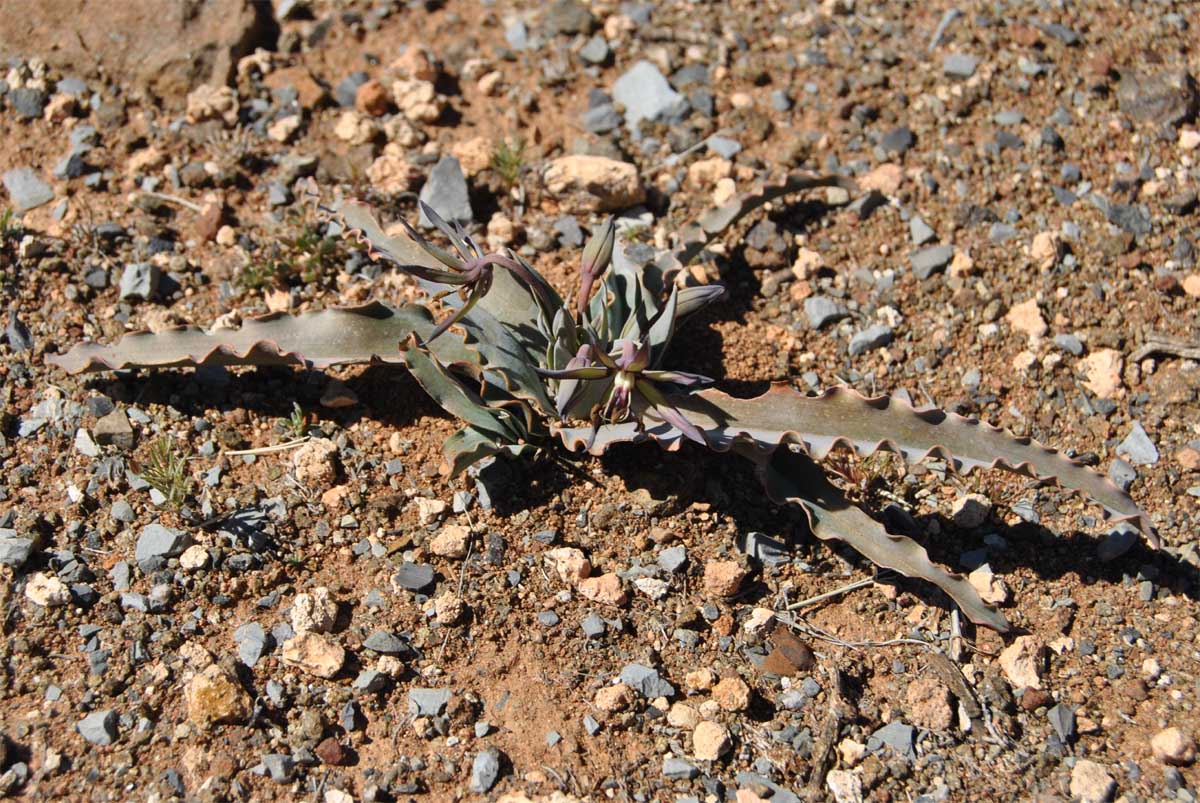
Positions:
(930, 260)
(139, 281)
(1137, 447)
(428, 702)
(1022, 662)
(14, 551)
(1090, 782)
(646, 95)
(485, 770)
(871, 338)
(157, 544)
(446, 192)
(822, 311)
(959, 65)
(413, 576)
(583, 184)
(1163, 98)
(26, 189)
(214, 696)
(315, 653)
(647, 681)
(99, 727)
(710, 741)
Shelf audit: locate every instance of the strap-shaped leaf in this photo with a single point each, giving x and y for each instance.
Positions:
(456, 399)
(793, 477)
(843, 417)
(466, 447)
(336, 336)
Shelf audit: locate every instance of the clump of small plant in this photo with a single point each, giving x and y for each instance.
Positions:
(166, 471)
(507, 160)
(306, 258)
(528, 370)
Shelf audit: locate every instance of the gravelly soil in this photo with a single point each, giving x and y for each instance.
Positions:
(1051, 150)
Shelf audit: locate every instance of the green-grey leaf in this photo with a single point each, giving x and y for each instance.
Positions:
(457, 400)
(336, 336)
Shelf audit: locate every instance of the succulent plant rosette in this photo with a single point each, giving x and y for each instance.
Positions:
(525, 369)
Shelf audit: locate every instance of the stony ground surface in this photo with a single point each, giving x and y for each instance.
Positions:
(337, 622)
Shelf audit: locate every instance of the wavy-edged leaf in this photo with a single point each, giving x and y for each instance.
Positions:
(466, 447)
(842, 417)
(335, 336)
(458, 400)
(793, 477)
(358, 219)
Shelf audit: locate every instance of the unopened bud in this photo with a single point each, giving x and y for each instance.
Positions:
(597, 255)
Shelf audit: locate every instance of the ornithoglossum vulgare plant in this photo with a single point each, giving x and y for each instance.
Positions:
(525, 369)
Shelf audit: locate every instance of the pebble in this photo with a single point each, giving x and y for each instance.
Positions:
(616, 697)
(1026, 318)
(583, 184)
(385, 642)
(723, 578)
(1137, 447)
(446, 192)
(279, 766)
(898, 140)
(1116, 543)
(896, 736)
(920, 231)
(678, 769)
(26, 189)
(413, 576)
(1103, 371)
(313, 611)
(215, 696)
(732, 694)
(99, 727)
(930, 260)
(595, 50)
(845, 786)
(1022, 662)
(1070, 344)
(1173, 746)
(453, 541)
(1062, 719)
(593, 626)
(646, 95)
(139, 281)
(710, 741)
(485, 770)
(673, 559)
(646, 681)
(27, 102)
(14, 551)
(822, 311)
(871, 338)
(1163, 98)
(970, 511)
(253, 642)
(1090, 782)
(47, 590)
(424, 702)
(571, 565)
(315, 653)
(959, 65)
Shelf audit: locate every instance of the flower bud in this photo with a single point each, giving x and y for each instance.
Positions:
(598, 253)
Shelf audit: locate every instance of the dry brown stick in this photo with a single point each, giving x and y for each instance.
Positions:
(1161, 344)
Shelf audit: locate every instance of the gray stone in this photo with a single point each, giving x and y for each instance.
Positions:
(647, 681)
(601, 119)
(26, 189)
(567, 17)
(482, 729)
(17, 334)
(413, 576)
(1001, 232)
(517, 35)
(959, 65)
(446, 192)
(724, 147)
(158, 543)
(646, 95)
(1121, 473)
(896, 735)
(593, 626)
(1163, 98)
(920, 231)
(930, 260)
(780, 100)
(898, 140)
(1117, 543)
(673, 559)
(99, 727)
(595, 51)
(547, 618)
(822, 310)
(386, 643)
(1132, 218)
(1070, 344)
(140, 281)
(279, 766)
(485, 770)
(869, 339)
(70, 166)
(14, 551)
(28, 103)
(1137, 447)
(591, 725)
(114, 429)
(369, 680)
(346, 91)
(677, 769)
(72, 85)
(278, 195)
(570, 233)
(1062, 719)
(1008, 117)
(428, 702)
(253, 642)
